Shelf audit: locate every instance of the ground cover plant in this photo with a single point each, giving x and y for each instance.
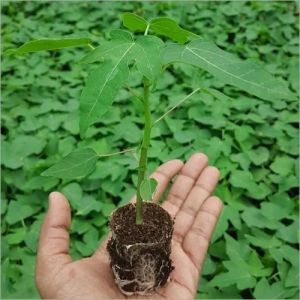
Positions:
(238, 130)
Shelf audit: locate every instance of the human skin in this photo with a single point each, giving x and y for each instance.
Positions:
(189, 201)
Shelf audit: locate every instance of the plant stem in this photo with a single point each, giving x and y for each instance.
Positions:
(91, 47)
(134, 93)
(147, 29)
(116, 153)
(176, 105)
(143, 156)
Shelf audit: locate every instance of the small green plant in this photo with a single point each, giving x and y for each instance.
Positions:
(142, 48)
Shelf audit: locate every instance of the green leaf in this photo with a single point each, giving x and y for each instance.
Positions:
(104, 82)
(263, 290)
(245, 180)
(119, 34)
(128, 131)
(32, 236)
(75, 165)
(134, 22)
(80, 225)
(213, 149)
(242, 159)
(254, 218)
(161, 26)
(147, 54)
(81, 204)
(289, 233)
(169, 28)
(114, 50)
(242, 268)
(283, 165)
(292, 278)
(262, 240)
(241, 179)
(255, 266)
(87, 205)
(285, 252)
(14, 153)
(74, 193)
(102, 86)
(245, 75)
(258, 156)
(275, 211)
(233, 216)
(237, 274)
(39, 182)
(18, 211)
(209, 266)
(107, 209)
(48, 44)
(17, 236)
(222, 225)
(145, 51)
(237, 250)
(147, 188)
(183, 137)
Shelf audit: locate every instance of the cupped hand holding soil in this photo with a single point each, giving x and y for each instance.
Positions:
(189, 203)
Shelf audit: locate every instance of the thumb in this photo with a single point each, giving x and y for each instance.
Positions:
(53, 246)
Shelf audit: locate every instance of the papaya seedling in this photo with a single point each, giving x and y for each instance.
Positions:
(140, 246)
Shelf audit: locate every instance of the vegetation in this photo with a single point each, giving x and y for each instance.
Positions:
(253, 142)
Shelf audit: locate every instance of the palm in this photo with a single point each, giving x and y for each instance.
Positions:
(195, 213)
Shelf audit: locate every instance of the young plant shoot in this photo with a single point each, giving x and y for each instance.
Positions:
(140, 246)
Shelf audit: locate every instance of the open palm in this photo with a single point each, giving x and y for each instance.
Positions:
(189, 202)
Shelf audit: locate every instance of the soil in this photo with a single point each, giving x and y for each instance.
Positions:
(140, 254)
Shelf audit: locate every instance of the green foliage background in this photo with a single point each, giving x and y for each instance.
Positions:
(254, 143)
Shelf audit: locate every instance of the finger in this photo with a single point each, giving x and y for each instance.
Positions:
(184, 182)
(196, 241)
(163, 175)
(202, 189)
(54, 236)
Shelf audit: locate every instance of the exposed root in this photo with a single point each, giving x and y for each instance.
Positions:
(145, 272)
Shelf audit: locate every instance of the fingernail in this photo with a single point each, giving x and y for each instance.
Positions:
(52, 197)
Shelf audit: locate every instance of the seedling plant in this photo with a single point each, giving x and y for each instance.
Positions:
(150, 47)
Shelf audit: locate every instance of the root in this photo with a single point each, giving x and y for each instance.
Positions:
(140, 268)
(144, 279)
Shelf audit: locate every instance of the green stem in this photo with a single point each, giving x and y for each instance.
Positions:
(116, 153)
(143, 155)
(147, 29)
(91, 47)
(176, 105)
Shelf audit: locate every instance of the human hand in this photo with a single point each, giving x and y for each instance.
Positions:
(189, 201)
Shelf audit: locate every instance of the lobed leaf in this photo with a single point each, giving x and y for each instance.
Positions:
(145, 51)
(245, 75)
(111, 50)
(102, 86)
(263, 290)
(237, 274)
(147, 54)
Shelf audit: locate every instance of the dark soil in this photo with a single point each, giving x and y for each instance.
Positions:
(140, 254)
